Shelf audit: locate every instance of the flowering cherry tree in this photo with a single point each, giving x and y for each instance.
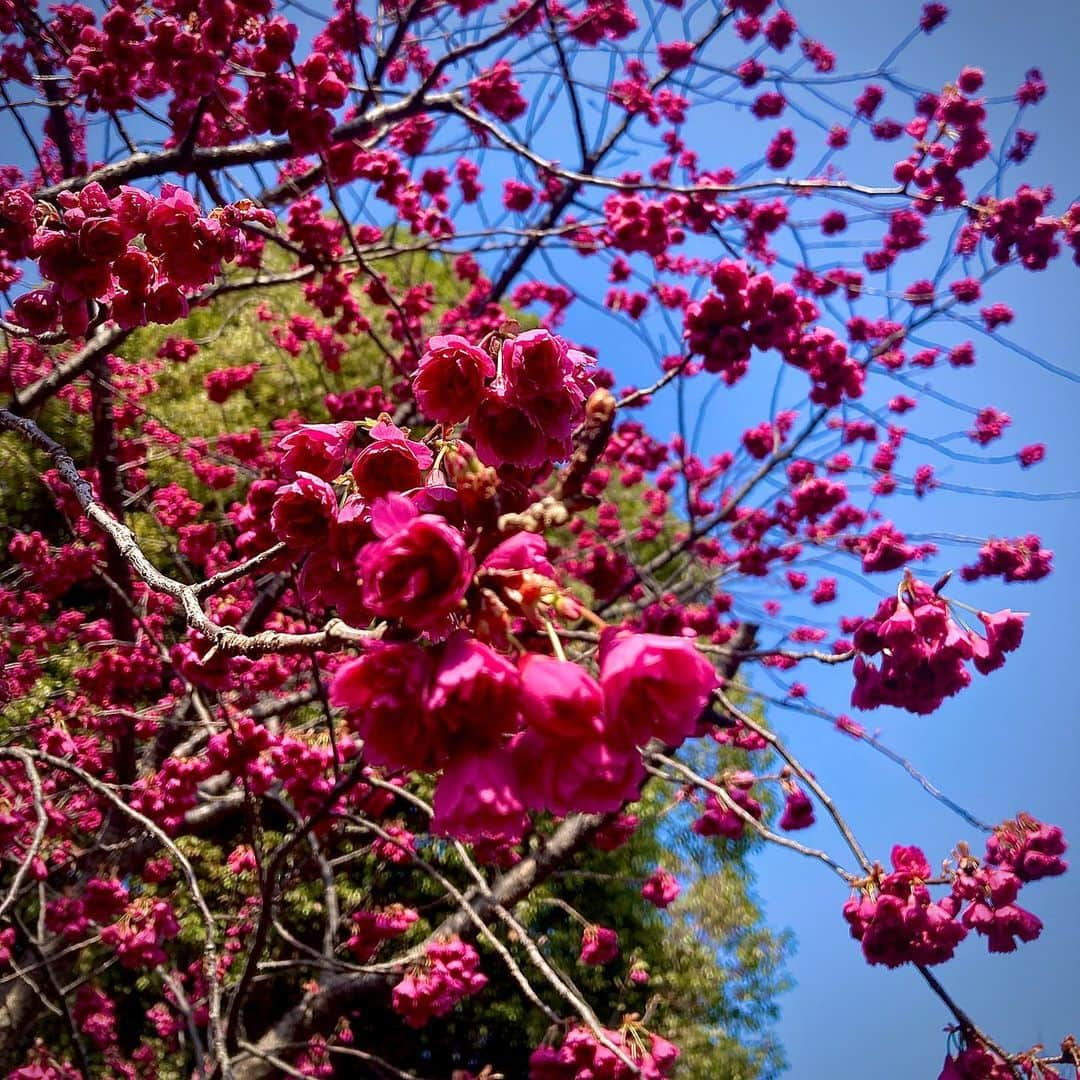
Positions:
(454, 624)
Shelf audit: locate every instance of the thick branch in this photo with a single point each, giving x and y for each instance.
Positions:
(224, 638)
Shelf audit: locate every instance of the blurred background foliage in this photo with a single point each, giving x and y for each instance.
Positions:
(714, 970)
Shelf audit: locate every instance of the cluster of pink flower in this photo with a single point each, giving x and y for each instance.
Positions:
(1018, 225)
(583, 1057)
(85, 251)
(409, 533)
(195, 49)
(1029, 848)
(638, 224)
(991, 910)
(1022, 559)
(934, 165)
(897, 921)
(95, 1014)
(498, 92)
(720, 817)
(450, 972)
(371, 928)
(577, 749)
(745, 311)
(528, 411)
(140, 933)
(299, 102)
(798, 809)
(924, 650)
(978, 1062)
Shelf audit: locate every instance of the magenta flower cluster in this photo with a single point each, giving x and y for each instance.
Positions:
(450, 972)
(898, 922)
(923, 652)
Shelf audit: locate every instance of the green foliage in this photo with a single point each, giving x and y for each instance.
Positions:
(715, 971)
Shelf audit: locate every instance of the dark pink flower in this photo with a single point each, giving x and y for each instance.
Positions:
(1030, 848)
(654, 687)
(451, 972)
(661, 889)
(559, 699)
(371, 928)
(382, 692)
(1031, 455)
(599, 945)
(933, 15)
(304, 511)
(534, 364)
(474, 696)
(565, 776)
(476, 799)
(37, 310)
(318, 449)
(523, 551)
(450, 378)
(102, 239)
(798, 810)
(504, 433)
(1004, 629)
(391, 462)
(720, 818)
(421, 568)
(675, 55)
(615, 832)
(497, 91)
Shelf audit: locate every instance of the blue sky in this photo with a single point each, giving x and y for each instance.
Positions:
(1005, 744)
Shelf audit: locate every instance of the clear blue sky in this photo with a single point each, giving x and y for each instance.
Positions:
(1007, 743)
(1010, 741)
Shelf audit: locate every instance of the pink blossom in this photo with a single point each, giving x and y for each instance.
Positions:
(504, 433)
(304, 511)
(599, 945)
(1031, 455)
(720, 819)
(420, 569)
(497, 91)
(559, 699)
(535, 364)
(391, 462)
(675, 55)
(565, 776)
(318, 449)
(451, 972)
(380, 691)
(661, 889)
(476, 799)
(654, 687)
(371, 928)
(450, 378)
(522, 551)
(1030, 848)
(900, 923)
(615, 832)
(1004, 629)
(798, 810)
(473, 697)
